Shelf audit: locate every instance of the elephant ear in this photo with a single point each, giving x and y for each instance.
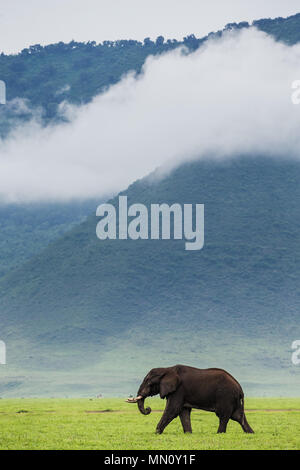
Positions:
(169, 383)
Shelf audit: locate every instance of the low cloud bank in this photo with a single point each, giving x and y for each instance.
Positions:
(230, 97)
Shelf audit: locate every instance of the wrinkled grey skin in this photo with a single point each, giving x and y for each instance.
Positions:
(187, 387)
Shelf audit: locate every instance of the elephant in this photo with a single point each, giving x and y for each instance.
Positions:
(187, 387)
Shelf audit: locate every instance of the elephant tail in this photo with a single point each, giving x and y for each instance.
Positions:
(240, 412)
(245, 425)
(242, 403)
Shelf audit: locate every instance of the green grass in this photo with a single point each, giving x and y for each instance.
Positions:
(112, 424)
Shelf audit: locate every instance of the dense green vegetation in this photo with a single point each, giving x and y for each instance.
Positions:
(73, 72)
(106, 311)
(45, 76)
(114, 425)
(282, 29)
(25, 229)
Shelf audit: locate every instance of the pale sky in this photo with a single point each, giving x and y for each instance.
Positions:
(27, 22)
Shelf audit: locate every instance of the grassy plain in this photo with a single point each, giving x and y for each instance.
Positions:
(112, 424)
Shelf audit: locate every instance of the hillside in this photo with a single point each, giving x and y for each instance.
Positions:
(25, 229)
(87, 315)
(46, 76)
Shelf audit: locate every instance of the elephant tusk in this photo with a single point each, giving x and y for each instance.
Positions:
(133, 400)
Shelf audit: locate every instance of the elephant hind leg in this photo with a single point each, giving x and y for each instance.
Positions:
(240, 417)
(223, 423)
(224, 413)
(185, 418)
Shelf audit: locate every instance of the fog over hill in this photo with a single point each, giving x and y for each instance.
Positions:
(230, 96)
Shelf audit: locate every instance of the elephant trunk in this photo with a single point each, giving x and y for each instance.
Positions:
(141, 407)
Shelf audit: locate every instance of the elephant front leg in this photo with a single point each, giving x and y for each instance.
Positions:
(172, 410)
(185, 418)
